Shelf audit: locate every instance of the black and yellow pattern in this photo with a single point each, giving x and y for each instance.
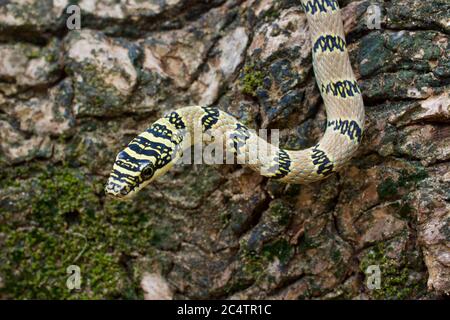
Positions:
(152, 150)
(322, 162)
(329, 43)
(125, 176)
(320, 6)
(239, 138)
(161, 152)
(176, 119)
(122, 177)
(128, 163)
(341, 88)
(160, 131)
(210, 118)
(349, 128)
(283, 164)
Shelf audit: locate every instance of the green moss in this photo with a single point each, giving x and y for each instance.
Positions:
(271, 14)
(53, 218)
(225, 217)
(408, 179)
(336, 255)
(60, 192)
(251, 80)
(280, 249)
(279, 212)
(373, 54)
(94, 95)
(307, 243)
(253, 264)
(32, 53)
(387, 189)
(405, 210)
(395, 275)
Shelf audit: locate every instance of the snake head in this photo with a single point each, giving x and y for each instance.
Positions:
(129, 175)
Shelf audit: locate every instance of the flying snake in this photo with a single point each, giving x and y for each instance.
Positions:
(153, 152)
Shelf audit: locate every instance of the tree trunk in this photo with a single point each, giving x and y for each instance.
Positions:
(71, 99)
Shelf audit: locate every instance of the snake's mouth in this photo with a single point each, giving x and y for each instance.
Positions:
(116, 190)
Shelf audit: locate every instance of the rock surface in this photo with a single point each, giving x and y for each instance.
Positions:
(70, 100)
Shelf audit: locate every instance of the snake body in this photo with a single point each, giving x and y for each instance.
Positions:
(154, 151)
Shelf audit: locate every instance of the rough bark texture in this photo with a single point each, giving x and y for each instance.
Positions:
(70, 100)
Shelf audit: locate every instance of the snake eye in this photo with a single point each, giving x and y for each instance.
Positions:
(147, 172)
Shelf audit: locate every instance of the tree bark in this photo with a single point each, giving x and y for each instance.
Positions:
(71, 99)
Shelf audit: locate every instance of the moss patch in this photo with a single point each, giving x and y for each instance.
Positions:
(55, 218)
(254, 264)
(279, 212)
(280, 249)
(390, 188)
(251, 80)
(397, 275)
(387, 189)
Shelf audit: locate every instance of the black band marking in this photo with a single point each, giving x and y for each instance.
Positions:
(210, 118)
(163, 160)
(314, 6)
(239, 138)
(284, 164)
(349, 128)
(145, 144)
(163, 153)
(160, 131)
(320, 159)
(343, 89)
(329, 43)
(124, 160)
(120, 176)
(175, 119)
(148, 152)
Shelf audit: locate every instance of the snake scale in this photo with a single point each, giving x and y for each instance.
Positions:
(153, 152)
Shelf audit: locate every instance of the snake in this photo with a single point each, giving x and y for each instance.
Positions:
(153, 152)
